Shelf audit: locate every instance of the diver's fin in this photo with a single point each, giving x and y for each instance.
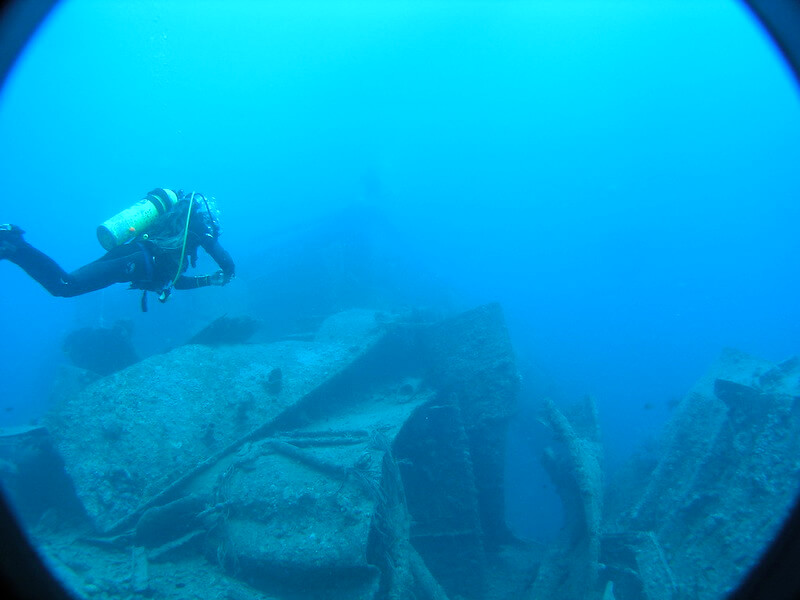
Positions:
(10, 236)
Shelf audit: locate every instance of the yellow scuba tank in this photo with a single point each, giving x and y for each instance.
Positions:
(132, 221)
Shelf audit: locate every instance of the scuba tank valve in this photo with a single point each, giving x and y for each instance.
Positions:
(132, 221)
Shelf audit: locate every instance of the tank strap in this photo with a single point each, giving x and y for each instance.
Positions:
(148, 261)
(148, 270)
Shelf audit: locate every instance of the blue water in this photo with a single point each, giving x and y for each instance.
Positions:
(621, 176)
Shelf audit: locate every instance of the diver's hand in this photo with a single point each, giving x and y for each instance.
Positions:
(218, 278)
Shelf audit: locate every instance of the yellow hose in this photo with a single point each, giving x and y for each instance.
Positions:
(185, 237)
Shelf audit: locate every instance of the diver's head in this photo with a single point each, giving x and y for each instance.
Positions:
(163, 198)
(204, 207)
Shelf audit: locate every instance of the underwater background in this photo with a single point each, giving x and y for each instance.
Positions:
(620, 177)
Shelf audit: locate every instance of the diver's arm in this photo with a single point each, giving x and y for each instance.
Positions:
(190, 283)
(221, 256)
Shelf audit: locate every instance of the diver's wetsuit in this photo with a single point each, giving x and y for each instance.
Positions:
(141, 262)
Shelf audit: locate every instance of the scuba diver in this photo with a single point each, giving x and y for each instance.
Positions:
(150, 246)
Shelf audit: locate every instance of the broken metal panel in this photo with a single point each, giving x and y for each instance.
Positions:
(436, 467)
(652, 565)
(287, 521)
(696, 426)
(226, 330)
(742, 491)
(32, 475)
(127, 437)
(101, 350)
(572, 566)
(343, 467)
(472, 359)
(727, 476)
(634, 561)
(692, 432)
(433, 456)
(303, 501)
(692, 522)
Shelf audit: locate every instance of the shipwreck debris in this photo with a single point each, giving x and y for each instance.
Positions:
(576, 469)
(102, 350)
(725, 477)
(226, 330)
(363, 464)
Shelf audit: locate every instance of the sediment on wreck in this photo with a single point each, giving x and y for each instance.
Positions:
(575, 466)
(727, 473)
(365, 463)
(691, 520)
